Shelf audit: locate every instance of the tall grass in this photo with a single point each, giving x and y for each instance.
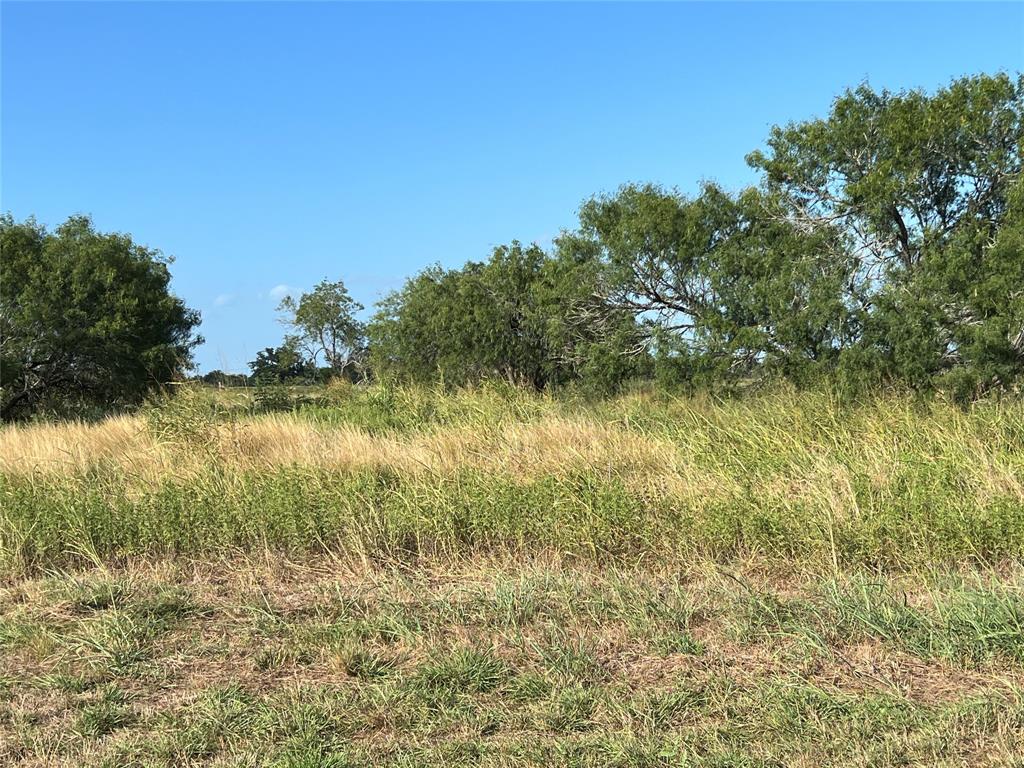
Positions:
(386, 472)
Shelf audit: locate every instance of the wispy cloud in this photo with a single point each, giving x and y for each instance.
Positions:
(223, 299)
(278, 292)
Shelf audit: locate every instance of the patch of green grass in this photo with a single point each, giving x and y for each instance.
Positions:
(108, 713)
(278, 656)
(658, 710)
(969, 626)
(25, 633)
(98, 595)
(569, 659)
(73, 683)
(367, 663)
(463, 670)
(117, 640)
(572, 709)
(212, 722)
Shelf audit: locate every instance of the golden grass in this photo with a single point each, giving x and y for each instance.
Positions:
(75, 447)
(706, 452)
(551, 446)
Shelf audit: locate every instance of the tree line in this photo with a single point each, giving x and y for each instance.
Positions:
(883, 245)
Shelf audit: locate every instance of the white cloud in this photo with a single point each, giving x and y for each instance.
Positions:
(278, 292)
(223, 299)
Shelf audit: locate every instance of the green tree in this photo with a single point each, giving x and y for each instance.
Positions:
(464, 325)
(283, 364)
(324, 323)
(958, 322)
(725, 286)
(521, 316)
(590, 341)
(219, 378)
(919, 185)
(86, 319)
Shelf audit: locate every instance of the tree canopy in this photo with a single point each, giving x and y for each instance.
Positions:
(522, 316)
(323, 322)
(882, 245)
(86, 319)
(919, 186)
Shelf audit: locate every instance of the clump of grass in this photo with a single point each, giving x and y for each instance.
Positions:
(569, 659)
(108, 713)
(366, 663)
(117, 640)
(464, 670)
(278, 656)
(97, 596)
(572, 710)
(214, 720)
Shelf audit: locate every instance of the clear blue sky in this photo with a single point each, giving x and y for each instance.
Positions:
(267, 145)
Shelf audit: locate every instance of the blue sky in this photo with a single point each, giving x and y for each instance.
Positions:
(269, 145)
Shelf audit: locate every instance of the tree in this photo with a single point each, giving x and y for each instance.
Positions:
(649, 244)
(219, 378)
(86, 319)
(278, 365)
(591, 342)
(522, 316)
(958, 322)
(324, 323)
(463, 325)
(722, 281)
(919, 185)
(903, 172)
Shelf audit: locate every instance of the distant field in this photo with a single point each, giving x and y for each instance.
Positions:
(389, 576)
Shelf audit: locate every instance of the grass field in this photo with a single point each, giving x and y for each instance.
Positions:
(406, 577)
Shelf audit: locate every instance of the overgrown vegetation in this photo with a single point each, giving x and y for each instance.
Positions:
(402, 472)
(494, 576)
(456, 554)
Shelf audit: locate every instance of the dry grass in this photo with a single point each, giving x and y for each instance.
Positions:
(695, 450)
(553, 445)
(75, 447)
(520, 656)
(885, 482)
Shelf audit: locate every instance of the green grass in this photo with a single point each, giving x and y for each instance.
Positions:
(386, 515)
